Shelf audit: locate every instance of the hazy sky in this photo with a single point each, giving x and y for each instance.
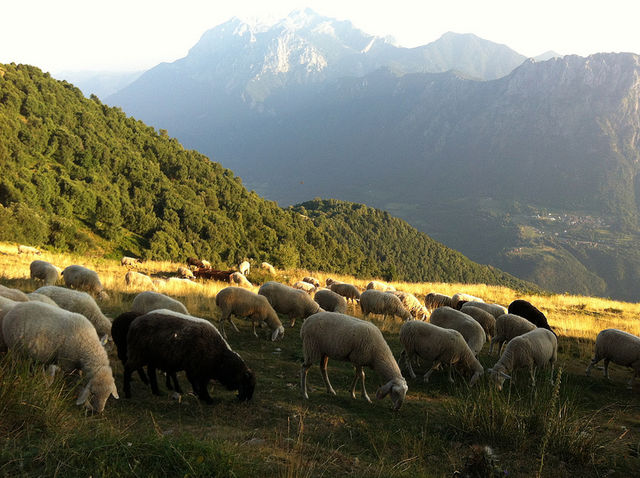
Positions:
(138, 34)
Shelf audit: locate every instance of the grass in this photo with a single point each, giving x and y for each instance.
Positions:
(578, 425)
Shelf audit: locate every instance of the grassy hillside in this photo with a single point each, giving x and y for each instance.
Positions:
(579, 426)
(81, 176)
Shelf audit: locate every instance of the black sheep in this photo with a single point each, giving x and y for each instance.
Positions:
(532, 314)
(173, 343)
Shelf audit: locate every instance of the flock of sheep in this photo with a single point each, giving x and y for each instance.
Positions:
(64, 328)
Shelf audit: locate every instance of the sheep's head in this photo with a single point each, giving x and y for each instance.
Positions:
(397, 387)
(95, 394)
(475, 377)
(278, 334)
(246, 385)
(498, 377)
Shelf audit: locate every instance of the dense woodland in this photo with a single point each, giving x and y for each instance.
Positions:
(78, 175)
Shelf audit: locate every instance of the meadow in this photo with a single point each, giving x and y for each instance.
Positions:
(575, 425)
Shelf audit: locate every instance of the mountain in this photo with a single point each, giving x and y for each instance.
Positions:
(99, 83)
(78, 175)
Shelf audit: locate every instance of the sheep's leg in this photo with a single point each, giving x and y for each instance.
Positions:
(128, 370)
(435, 366)
(303, 379)
(491, 345)
(203, 391)
(606, 368)
(407, 361)
(221, 326)
(354, 382)
(143, 376)
(50, 374)
(232, 324)
(253, 322)
(153, 380)
(176, 384)
(364, 390)
(325, 377)
(532, 374)
(167, 381)
(449, 377)
(293, 322)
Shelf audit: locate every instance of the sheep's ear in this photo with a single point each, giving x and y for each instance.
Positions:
(84, 395)
(384, 390)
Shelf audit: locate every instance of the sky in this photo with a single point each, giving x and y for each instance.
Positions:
(130, 35)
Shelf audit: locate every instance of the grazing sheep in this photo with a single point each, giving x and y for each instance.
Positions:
(244, 267)
(528, 311)
(494, 309)
(535, 349)
(460, 297)
(312, 280)
(377, 285)
(268, 267)
(45, 271)
(176, 282)
(305, 286)
(619, 347)
(412, 304)
(289, 301)
(348, 291)
(50, 334)
(341, 337)
(149, 300)
(28, 250)
(239, 279)
(245, 303)
(433, 300)
(130, 261)
(137, 279)
(185, 273)
(192, 261)
(328, 281)
(205, 263)
(471, 330)
(81, 278)
(438, 346)
(509, 326)
(13, 294)
(174, 342)
(80, 303)
(330, 301)
(484, 318)
(41, 298)
(376, 302)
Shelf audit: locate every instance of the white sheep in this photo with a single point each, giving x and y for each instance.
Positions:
(130, 261)
(376, 302)
(348, 291)
(330, 301)
(484, 318)
(433, 300)
(41, 298)
(532, 350)
(411, 303)
(377, 285)
(305, 286)
(438, 346)
(22, 249)
(509, 326)
(337, 336)
(80, 303)
(138, 279)
(289, 301)
(51, 334)
(471, 330)
(311, 280)
(455, 298)
(494, 309)
(82, 278)
(185, 273)
(177, 282)
(13, 294)
(244, 268)
(268, 267)
(149, 300)
(5, 306)
(245, 303)
(239, 279)
(619, 347)
(45, 271)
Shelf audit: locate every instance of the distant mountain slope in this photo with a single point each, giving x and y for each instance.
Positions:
(99, 83)
(79, 175)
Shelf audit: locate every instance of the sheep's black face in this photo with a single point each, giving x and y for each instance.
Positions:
(246, 386)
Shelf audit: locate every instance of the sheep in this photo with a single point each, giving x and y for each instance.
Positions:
(455, 298)
(245, 303)
(239, 279)
(528, 311)
(619, 347)
(41, 298)
(376, 302)
(377, 285)
(433, 300)
(289, 301)
(205, 263)
(192, 261)
(80, 303)
(22, 249)
(177, 282)
(330, 301)
(509, 326)
(185, 273)
(437, 345)
(130, 261)
(51, 334)
(328, 281)
(13, 294)
(534, 349)
(411, 303)
(312, 280)
(5, 306)
(484, 318)
(244, 267)
(174, 342)
(149, 300)
(137, 279)
(348, 291)
(268, 267)
(494, 309)
(305, 286)
(471, 330)
(81, 278)
(341, 337)
(45, 271)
